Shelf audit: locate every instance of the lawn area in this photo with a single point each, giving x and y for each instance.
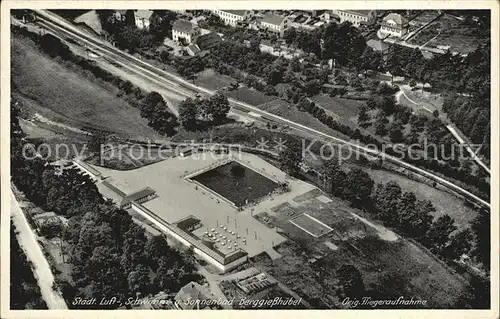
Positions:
(282, 108)
(443, 202)
(426, 34)
(250, 96)
(310, 225)
(344, 108)
(430, 100)
(48, 88)
(210, 80)
(421, 108)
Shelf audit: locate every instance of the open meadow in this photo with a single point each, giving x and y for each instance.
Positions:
(46, 87)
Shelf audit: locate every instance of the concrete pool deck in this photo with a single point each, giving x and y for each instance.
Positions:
(178, 198)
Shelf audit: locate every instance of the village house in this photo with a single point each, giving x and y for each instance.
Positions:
(144, 18)
(185, 30)
(274, 23)
(120, 15)
(232, 17)
(394, 25)
(356, 17)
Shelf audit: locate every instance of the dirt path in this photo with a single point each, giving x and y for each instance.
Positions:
(383, 232)
(28, 242)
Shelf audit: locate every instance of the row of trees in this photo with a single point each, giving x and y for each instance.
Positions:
(410, 216)
(154, 108)
(110, 255)
(196, 113)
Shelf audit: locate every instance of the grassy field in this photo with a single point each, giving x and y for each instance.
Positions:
(210, 80)
(282, 108)
(250, 96)
(430, 100)
(46, 87)
(445, 203)
(344, 108)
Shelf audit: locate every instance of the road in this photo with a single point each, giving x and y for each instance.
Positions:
(175, 82)
(28, 241)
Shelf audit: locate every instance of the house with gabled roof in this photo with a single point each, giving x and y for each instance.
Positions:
(183, 29)
(274, 23)
(144, 18)
(394, 24)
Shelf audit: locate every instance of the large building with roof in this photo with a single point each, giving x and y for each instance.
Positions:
(275, 23)
(356, 17)
(185, 30)
(232, 17)
(394, 25)
(171, 199)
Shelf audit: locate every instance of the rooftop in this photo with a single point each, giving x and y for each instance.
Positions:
(273, 19)
(143, 14)
(146, 191)
(183, 26)
(359, 12)
(396, 17)
(240, 13)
